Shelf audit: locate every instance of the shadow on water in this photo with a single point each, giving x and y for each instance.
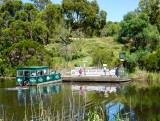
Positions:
(117, 100)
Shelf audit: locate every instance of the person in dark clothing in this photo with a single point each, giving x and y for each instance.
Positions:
(26, 79)
(25, 82)
(116, 71)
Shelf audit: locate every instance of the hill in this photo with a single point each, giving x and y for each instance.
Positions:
(79, 50)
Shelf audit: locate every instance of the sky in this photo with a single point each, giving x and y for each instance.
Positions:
(115, 9)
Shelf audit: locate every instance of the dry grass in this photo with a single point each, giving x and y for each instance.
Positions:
(144, 79)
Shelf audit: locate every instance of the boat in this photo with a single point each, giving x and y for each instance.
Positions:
(97, 75)
(35, 75)
(107, 79)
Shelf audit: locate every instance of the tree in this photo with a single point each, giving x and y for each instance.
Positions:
(83, 15)
(31, 11)
(134, 30)
(41, 4)
(26, 53)
(111, 29)
(52, 16)
(11, 7)
(152, 9)
(13, 34)
(40, 32)
(152, 61)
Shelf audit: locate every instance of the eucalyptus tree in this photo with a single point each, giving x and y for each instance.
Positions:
(83, 15)
(39, 32)
(152, 9)
(53, 19)
(13, 34)
(11, 6)
(41, 4)
(8, 10)
(31, 11)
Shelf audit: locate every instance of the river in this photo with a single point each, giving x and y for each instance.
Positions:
(66, 100)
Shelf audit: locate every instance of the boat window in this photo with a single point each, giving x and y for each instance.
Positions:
(20, 73)
(33, 72)
(46, 71)
(40, 72)
(26, 73)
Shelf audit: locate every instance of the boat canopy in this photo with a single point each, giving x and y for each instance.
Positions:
(33, 68)
(33, 71)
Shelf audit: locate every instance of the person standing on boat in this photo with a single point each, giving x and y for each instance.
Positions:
(80, 72)
(116, 71)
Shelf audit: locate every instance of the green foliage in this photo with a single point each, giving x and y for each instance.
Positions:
(141, 37)
(152, 61)
(97, 114)
(53, 49)
(152, 9)
(25, 53)
(102, 56)
(138, 32)
(84, 15)
(40, 4)
(31, 11)
(77, 55)
(39, 32)
(131, 61)
(57, 63)
(151, 36)
(11, 7)
(110, 29)
(53, 20)
(131, 27)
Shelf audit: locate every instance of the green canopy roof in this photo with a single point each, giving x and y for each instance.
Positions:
(33, 68)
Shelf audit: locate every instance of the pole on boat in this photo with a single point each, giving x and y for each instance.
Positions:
(84, 67)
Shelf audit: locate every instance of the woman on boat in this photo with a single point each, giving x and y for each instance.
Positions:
(80, 72)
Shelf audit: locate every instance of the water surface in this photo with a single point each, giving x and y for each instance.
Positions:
(137, 105)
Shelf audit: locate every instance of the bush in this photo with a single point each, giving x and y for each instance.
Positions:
(103, 56)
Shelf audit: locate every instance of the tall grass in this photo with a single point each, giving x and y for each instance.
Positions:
(142, 79)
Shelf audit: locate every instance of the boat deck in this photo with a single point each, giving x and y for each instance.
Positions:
(50, 82)
(95, 79)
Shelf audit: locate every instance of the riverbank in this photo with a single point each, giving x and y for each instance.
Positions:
(144, 79)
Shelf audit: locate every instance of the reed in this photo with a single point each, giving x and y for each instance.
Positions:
(72, 112)
(97, 114)
(144, 79)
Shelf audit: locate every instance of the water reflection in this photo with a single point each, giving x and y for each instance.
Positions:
(107, 96)
(98, 88)
(33, 92)
(15, 100)
(116, 109)
(136, 104)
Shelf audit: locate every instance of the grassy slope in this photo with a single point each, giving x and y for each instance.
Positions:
(87, 46)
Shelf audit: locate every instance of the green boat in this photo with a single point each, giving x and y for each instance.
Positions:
(35, 75)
